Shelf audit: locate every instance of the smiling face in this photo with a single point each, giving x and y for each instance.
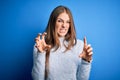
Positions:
(62, 24)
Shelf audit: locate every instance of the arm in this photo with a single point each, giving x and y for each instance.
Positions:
(38, 65)
(39, 53)
(84, 61)
(83, 70)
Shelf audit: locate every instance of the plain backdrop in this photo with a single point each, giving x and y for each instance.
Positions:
(22, 20)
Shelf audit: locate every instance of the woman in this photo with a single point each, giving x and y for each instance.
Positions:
(59, 55)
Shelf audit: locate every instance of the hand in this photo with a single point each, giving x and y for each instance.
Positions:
(41, 44)
(87, 51)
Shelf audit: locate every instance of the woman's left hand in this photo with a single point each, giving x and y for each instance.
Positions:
(87, 51)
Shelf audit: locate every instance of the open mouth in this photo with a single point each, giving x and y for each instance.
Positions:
(62, 30)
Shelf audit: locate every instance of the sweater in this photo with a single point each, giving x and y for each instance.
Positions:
(62, 65)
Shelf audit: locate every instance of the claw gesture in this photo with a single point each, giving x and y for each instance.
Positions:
(87, 51)
(40, 43)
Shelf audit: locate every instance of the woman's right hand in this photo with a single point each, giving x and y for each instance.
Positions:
(41, 44)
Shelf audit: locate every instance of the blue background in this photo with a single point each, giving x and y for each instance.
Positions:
(21, 20)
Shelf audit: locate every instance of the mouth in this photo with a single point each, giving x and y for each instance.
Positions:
(63, 30)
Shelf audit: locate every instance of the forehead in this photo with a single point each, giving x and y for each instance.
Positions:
(64, 16)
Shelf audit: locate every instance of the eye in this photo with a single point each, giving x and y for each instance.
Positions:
(68, 22)
(59, 20)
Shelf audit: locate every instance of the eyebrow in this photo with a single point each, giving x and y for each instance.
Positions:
(62, 19)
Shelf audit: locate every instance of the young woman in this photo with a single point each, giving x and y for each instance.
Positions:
(59, 55)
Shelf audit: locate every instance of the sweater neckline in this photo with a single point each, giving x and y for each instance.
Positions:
(61, 38)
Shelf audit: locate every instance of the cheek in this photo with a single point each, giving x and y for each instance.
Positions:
(68, 27)
(58, 26)
(56, 29)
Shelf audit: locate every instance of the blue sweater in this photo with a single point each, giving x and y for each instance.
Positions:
(62, 65)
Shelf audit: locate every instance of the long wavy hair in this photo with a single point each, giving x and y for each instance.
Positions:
(52, 37)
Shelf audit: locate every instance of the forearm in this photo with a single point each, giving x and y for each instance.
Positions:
(84, 70)
(38, 65)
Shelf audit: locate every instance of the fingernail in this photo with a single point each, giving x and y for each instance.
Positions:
(39, 33)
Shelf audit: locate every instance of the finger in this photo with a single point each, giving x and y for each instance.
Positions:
(37, 41)
(43, 35)
(37, 45)
(88, 46)
(85, 41)
(90, 53)
(39, 35)
(81, 55)
(89, 50)
(47, 47)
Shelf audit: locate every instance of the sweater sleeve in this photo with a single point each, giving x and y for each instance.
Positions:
(84, 67)
(38, 65)
(83, 70)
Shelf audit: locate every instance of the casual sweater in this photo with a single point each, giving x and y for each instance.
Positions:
(62, 65)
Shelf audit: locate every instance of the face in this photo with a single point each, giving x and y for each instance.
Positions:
(62, 24)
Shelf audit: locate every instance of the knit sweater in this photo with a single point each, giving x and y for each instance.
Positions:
(62, 65)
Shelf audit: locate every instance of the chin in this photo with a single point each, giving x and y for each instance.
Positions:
(62, 35)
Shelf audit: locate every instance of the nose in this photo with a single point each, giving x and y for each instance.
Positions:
(63, 25)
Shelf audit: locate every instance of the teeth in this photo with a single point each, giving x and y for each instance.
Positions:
(62, 30)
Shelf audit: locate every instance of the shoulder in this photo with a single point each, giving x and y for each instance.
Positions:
(78, 47)
(79, 43)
